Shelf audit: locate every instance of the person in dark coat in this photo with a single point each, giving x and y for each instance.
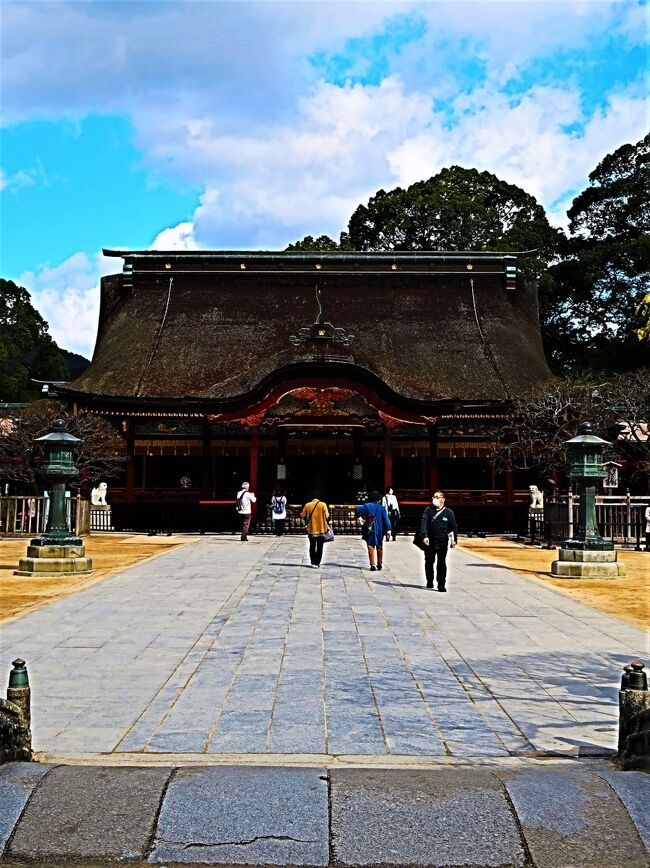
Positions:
(438, 531)
(373, 516)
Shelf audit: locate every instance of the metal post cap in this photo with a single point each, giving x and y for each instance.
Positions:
(18, 676)
(625, 679)
(638, 680)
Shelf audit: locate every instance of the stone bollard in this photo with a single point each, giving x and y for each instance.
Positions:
(19, 691)
(15, 717)
(634, 718)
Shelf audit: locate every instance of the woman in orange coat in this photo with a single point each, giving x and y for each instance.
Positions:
(316, 516)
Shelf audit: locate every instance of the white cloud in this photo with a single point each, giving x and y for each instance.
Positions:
(232, 97)
(242, 59)
(18, 179)
(526, 141)
(279, 182)
(180, 237)
(67, 297)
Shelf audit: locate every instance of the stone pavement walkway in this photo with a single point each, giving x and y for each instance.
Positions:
(220, 648)
(519, 813)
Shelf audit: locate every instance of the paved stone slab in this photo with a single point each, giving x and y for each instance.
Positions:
(90, 813)
(233, 648)
(17, 783)
(573, 818)
(633, 789)
(434, 818)
(244, 816)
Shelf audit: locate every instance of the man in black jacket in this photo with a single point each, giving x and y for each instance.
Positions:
(438, 530)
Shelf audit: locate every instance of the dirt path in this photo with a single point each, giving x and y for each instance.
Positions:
(627, 598)
(110, 554)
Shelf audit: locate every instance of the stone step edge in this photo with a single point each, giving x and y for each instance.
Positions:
(328, 761)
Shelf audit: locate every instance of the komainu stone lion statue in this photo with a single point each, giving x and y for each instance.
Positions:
(536, 497)
(98, 496)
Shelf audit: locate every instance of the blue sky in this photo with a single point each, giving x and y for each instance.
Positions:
(245, 125)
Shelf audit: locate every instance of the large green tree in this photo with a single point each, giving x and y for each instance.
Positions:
(593, 285)
(457, 209)
(309, 244)
(26, 348)
(593, 313)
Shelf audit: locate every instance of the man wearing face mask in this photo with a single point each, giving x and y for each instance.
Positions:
(438, 530)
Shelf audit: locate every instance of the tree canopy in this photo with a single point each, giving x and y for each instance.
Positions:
(457, 209)
(593, 285)
(596, 309)
(26, 348)
(309, 244)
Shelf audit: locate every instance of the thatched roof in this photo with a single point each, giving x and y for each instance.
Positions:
(216, 328)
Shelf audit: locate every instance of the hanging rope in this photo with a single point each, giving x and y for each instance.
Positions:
(486, 346)
(158, 336)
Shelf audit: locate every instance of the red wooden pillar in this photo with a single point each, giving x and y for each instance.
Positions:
(206, 462)
(129, 430)
(254, 454)
(388, 459)
(510, 501)
(433, 458)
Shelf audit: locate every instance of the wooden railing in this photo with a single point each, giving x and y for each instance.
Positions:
(27, 515)
(620, 518)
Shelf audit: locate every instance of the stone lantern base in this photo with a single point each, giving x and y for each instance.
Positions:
(587, 564)
(54, 561)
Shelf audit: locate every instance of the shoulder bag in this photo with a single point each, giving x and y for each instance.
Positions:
(368, 528)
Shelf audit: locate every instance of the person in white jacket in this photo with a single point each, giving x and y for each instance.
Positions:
(245, 501)
(389, 502)
(647, 528)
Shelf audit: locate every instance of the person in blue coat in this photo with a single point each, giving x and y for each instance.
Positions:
(375, 527)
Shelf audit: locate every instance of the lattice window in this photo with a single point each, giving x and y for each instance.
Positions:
(168, 446)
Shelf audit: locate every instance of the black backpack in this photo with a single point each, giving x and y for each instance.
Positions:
(240, 500)
(278, 505)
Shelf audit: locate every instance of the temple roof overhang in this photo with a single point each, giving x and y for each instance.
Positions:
(215, 261)
(219, 330)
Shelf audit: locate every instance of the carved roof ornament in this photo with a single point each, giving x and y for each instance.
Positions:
(321, 330)
(390, 422)
(323, 399)
(254, 420)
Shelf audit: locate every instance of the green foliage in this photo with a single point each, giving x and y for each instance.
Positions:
(594, 313)
(75, 363)
(594, 301)
(309, 244)
(457, 209)
(26, 348)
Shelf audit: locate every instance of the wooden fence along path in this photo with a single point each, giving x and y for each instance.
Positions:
(27, 515)
(620, 518)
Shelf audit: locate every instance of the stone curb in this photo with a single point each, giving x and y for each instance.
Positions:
(536, 815)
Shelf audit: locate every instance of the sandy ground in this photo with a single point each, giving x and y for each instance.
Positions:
(627, 597)
(110, 553)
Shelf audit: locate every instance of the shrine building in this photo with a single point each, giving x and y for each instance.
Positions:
(308, 372)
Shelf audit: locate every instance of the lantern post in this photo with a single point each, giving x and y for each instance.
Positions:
(586, 554)
(57, 551)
